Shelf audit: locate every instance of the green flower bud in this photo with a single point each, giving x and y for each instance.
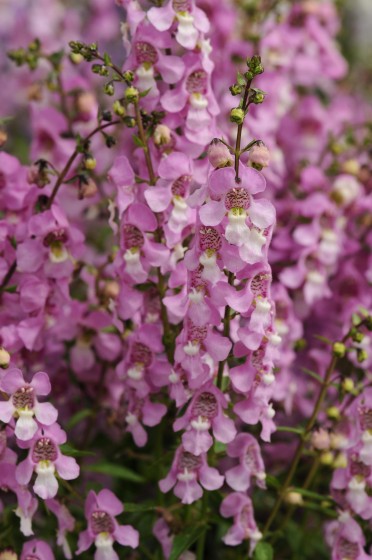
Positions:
(131, 94)
(237, 115)
(249, 76)
(257, 96)
(235, 89)
(90, 163)
(109, 89)
(339, 349)
(128, 76)
(361, 355)
(96, 68)
(118, 109)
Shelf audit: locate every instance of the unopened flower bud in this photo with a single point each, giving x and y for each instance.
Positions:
(162, 135)
(118, 108)
(111, 289)
(327, 458)
(257, 96)
(3, 137)
(4, 358)
(219, 154)
(293, 498)
(131, 94)
(361, 355)
(254, 64)
(345, 189)
(351, 166)
(333, 412)
(34, 92)
(90, 163)
(128, 76)
(348, 385)
(259, 156)
(320, 440)
(237, 115)
(235, 89)
(109, 89)
(340, 461)
(87, 188)
(85, 102)
(76, 58)
(339, 349)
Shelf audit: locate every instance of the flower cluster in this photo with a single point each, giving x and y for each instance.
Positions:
(187, 253)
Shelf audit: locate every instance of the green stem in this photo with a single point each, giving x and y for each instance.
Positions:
(240, 128)
(71, 160)
(301, 445)
(226, 333)
(201, 541)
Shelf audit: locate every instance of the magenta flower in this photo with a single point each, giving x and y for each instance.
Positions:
(23, 403)
(240, 507)
(187, 473)
(65, 523)
(235, 201)
(190, 20)
(246, 448)
(36, 549)
(205, 412)
(46, 460)
(103, 529)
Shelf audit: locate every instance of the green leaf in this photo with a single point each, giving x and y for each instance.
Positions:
(290, 429)
(272, 481)
(240, 79)
(138, 142)
(263, 551)
(11, 289)
(107, 59)
(78, 417)
(128, 508)
(67, 449)
(312, 495)
(182, 542)
(145, 92)
(312, 374)
(117, 471)
(323, 339)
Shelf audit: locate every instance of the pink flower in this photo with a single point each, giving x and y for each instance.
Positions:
(205, 412)
(103, 529)
(246, 448)
(186, 472)
(23, 403)
(36, 549)
(46, 459)
(240, 507)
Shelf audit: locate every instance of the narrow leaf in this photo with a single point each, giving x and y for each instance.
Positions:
(116, 471)
(312, 374)
(263, 551)
(182, 542)
(67, 449)
(78, 417)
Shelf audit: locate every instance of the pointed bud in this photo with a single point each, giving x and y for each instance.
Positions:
(237, 115)
(259, 156)
(162, 135)
(90, 163)
(219, 154)
(4, 358)
(131, 94)
(339, 349)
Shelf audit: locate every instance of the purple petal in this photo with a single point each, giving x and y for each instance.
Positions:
(46, 413)
(12, 381)
(212, 213)
(6, 410)
(85, 541)
(161, 18)
(127, 536)
(210, 478)
(238, 478)
(67, 467)
(174, 165)
(107, 501)
(140, 215)
(224, 428)
(158, 198)
(262, 213)
(24, 471)
(40, 382)
(197, 442)
(171, 68)
(188, 492)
